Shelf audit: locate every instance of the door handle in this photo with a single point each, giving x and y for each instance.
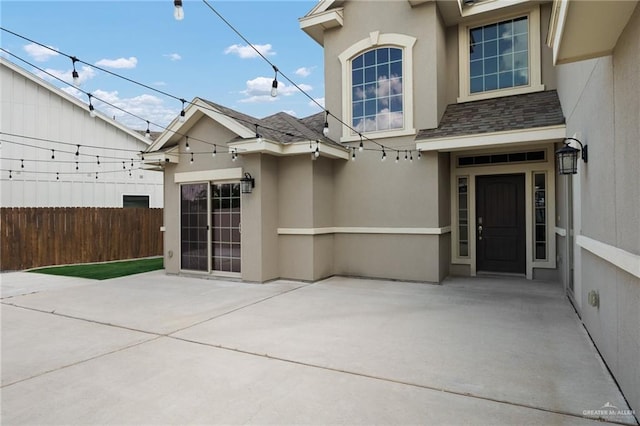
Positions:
(479, 232)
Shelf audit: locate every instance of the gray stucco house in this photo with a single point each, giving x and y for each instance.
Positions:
(473, 98)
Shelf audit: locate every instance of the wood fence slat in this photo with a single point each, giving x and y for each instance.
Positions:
(34, 237)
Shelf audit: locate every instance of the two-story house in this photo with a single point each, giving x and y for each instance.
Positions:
(459, 108)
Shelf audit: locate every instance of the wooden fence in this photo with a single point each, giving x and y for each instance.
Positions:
(33, 237)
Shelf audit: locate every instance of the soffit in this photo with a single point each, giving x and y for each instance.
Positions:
(587, 29)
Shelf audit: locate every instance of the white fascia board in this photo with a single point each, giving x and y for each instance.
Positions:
(72, 99)
(494, 139)
(208, 175)
(282, 150)
(160, 157)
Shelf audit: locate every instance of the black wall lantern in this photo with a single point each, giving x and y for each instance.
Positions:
(567, 157)
(247, 183)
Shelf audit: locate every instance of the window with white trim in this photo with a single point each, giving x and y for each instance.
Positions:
(376, 90)
(377, 86)
(500, 57)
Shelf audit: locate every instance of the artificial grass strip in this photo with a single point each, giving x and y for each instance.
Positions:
(105, 271)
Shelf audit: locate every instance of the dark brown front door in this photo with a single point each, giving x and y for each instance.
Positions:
(500, 223)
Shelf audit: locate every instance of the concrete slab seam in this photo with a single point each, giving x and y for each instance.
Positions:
(82, 361)
(400, 382)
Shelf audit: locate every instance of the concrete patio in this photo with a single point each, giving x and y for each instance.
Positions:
(158, 349)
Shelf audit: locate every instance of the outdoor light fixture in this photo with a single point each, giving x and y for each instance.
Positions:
(274, 85)
(567, 157)
(178, 11)
(247, 183)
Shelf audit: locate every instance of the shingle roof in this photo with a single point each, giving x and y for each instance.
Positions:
(280, 127)
(518, 112)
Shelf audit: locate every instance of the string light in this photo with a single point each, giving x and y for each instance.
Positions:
(96, 175)
(178, 11)
(361, 147)
(191, 161)
(353, 154)
(215, 147)
(233, 155)
(123, 166)
(419, 154)
(77, 167)
(274, 85)
(131, 162)
(74, 73)
(384, 154)
(53, 154)
(186, 146)
(147, 134)
(10, 175)
(411, 156)
(325, 129)
(258, 135)
(57, 176)
(22, 164)
(77, 150)
(405, 156)
(92, 112)
(317, 153)
(397, 156)
(182, 113)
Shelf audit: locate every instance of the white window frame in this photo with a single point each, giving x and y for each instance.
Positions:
(376, 40)
(535, 64)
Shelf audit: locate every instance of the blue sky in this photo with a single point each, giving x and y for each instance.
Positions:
(198, 56)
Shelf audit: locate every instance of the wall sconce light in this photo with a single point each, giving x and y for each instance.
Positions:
(567, 157)
(247, 183)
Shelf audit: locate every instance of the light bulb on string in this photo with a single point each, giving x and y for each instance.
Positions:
(22, 164)
(57, 176)
(182, 113)
(53, 154)
(178, 11)
(191, 161)
(384, 154)
(92, 111)
(325, 129)
(131, 162)
(123, 166)
(411, 156)
(397, 156)
(215, 148)
(419, 154)
(74, 73)
(317, 152)
(405, 156)
(96, 175)
(353, 154)
(361, 147)
(77, 167)
(274, 85)
(77, 150)
(186, 146)
(258, 135)
(10, 175)
(147, 134)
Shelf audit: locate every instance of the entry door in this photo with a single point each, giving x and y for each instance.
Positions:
(500, 223)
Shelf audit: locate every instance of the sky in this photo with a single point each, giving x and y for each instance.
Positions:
(197, 56)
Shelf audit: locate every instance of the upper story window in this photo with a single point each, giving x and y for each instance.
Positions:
(500, 57)
(376, 95)
(377, 86)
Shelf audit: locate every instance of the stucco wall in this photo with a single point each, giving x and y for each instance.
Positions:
(363, 17)
(600, 101)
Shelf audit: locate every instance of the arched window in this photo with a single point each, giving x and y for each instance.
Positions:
(376, 90)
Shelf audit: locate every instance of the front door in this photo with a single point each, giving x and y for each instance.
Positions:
(500, 223)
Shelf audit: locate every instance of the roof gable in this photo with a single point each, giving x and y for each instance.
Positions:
(70, 99)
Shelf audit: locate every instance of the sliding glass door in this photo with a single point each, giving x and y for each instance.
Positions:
(210, 227)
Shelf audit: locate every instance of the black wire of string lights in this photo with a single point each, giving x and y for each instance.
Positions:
(301, 90)
(75, 74)
(75, 60)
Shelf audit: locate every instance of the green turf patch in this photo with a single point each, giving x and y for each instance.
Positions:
(104, 271)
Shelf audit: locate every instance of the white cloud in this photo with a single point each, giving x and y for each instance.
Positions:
(246, 52)
(85, 73)
(259, 90)
(318, 100)
(148, 107)
(303, 71)
(118, 63)
(39, 53)
(173, 56)
(159, 83)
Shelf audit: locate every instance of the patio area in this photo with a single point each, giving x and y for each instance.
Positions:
(158, 349)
